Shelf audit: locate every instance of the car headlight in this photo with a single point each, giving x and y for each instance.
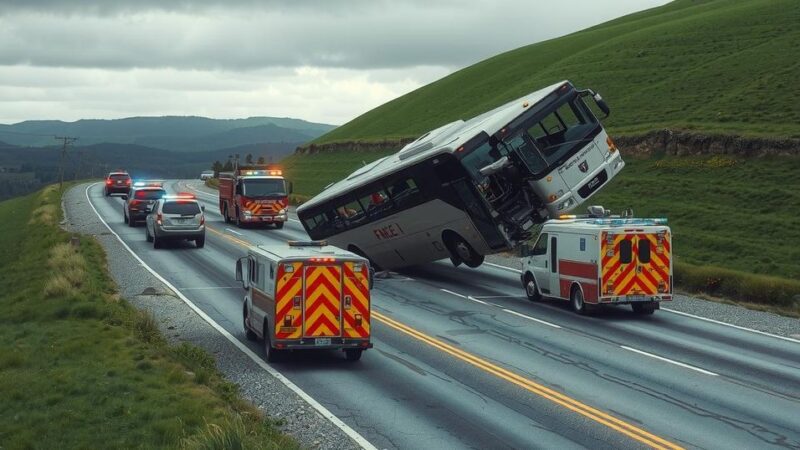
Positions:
(247, 212)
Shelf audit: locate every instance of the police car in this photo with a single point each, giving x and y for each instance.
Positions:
(140, 199)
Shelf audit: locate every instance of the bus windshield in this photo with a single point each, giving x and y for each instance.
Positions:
(546, 139)
(263, 187)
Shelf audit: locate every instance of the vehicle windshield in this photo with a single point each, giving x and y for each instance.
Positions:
(545, 141)
(263, 187)
(183, 208)
(149, 194)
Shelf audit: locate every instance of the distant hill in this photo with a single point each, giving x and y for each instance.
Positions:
(706, 65)
(169, 133)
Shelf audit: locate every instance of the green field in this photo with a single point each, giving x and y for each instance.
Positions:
(81, 368)
(707, 65)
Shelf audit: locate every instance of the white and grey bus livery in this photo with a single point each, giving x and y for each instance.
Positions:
(471, 188)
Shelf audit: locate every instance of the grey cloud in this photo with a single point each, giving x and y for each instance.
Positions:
(361, 34)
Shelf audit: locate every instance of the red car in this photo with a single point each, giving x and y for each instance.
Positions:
(117, 183)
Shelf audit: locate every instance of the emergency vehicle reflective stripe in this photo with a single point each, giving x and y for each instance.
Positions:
(288, 286)
(323, 300)
(637, 276)
(265, 206)
(356, 288)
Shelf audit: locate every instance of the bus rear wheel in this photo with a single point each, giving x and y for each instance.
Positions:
(461, 251)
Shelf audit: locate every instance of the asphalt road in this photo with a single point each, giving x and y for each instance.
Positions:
(462, 359)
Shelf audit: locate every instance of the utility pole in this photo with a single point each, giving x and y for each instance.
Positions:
(65, 141)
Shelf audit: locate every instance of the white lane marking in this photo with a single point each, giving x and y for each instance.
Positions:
(667, 360)
(453, 293)
(208, 288)
(543, 322)
(234, 231)
(353, 434)
(478, 301)
(764, 333)
(510, 269)
(497, 296)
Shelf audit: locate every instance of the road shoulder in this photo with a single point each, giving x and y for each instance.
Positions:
(180, 323)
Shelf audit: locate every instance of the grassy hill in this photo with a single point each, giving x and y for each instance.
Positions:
(710, 65)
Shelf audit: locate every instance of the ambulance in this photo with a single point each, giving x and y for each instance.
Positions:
(599, 259)
(306, 295)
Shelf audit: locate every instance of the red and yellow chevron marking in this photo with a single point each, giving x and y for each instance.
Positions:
(262, 207)
(323, 300)
(356, 287)
(289, 284)
(636, 277)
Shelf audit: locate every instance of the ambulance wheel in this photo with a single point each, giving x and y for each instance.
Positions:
(278, 225)
(272, 354)
(530, 289)
(578, 305)
(248, 332)
(353, 354)
(643, 308)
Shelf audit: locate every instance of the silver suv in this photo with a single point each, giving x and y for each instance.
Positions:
(176, 217)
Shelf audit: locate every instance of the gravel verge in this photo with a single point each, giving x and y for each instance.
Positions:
(731, 314)
(179, 323)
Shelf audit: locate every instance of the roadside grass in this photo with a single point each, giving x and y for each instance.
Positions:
(715, 66)
(213, 183)
(81, 368)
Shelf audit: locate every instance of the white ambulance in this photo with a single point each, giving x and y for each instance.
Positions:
(599, 259)
(306, 295)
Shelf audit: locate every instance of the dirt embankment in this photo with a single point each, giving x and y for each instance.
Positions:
(668, 142)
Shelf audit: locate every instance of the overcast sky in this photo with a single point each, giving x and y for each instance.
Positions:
(320, 60)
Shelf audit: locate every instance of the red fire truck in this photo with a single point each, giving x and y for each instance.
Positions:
(254, 194)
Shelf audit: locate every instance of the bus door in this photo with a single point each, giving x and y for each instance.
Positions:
(454, 178)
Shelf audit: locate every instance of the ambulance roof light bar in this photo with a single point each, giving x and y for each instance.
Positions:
(616, 222)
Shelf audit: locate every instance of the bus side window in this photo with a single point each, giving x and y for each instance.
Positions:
(375, 203)
(404, 192)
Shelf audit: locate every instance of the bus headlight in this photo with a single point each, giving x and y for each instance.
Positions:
(568, 203)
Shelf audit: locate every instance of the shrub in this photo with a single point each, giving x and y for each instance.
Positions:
(737, 285)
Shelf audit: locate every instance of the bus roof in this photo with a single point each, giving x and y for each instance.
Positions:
(445, 139)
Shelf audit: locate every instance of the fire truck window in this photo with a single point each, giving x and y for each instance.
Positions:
(625, 252)
(644, 250)
(541, 246)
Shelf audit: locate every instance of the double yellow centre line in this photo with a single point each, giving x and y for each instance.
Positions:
(587, 411)
(632, 431)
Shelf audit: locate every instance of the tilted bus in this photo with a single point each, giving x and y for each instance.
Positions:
(471, 188)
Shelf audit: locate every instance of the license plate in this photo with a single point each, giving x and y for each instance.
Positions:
(636, 298)
(322, 341)
(180, 220)
(266, 219)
